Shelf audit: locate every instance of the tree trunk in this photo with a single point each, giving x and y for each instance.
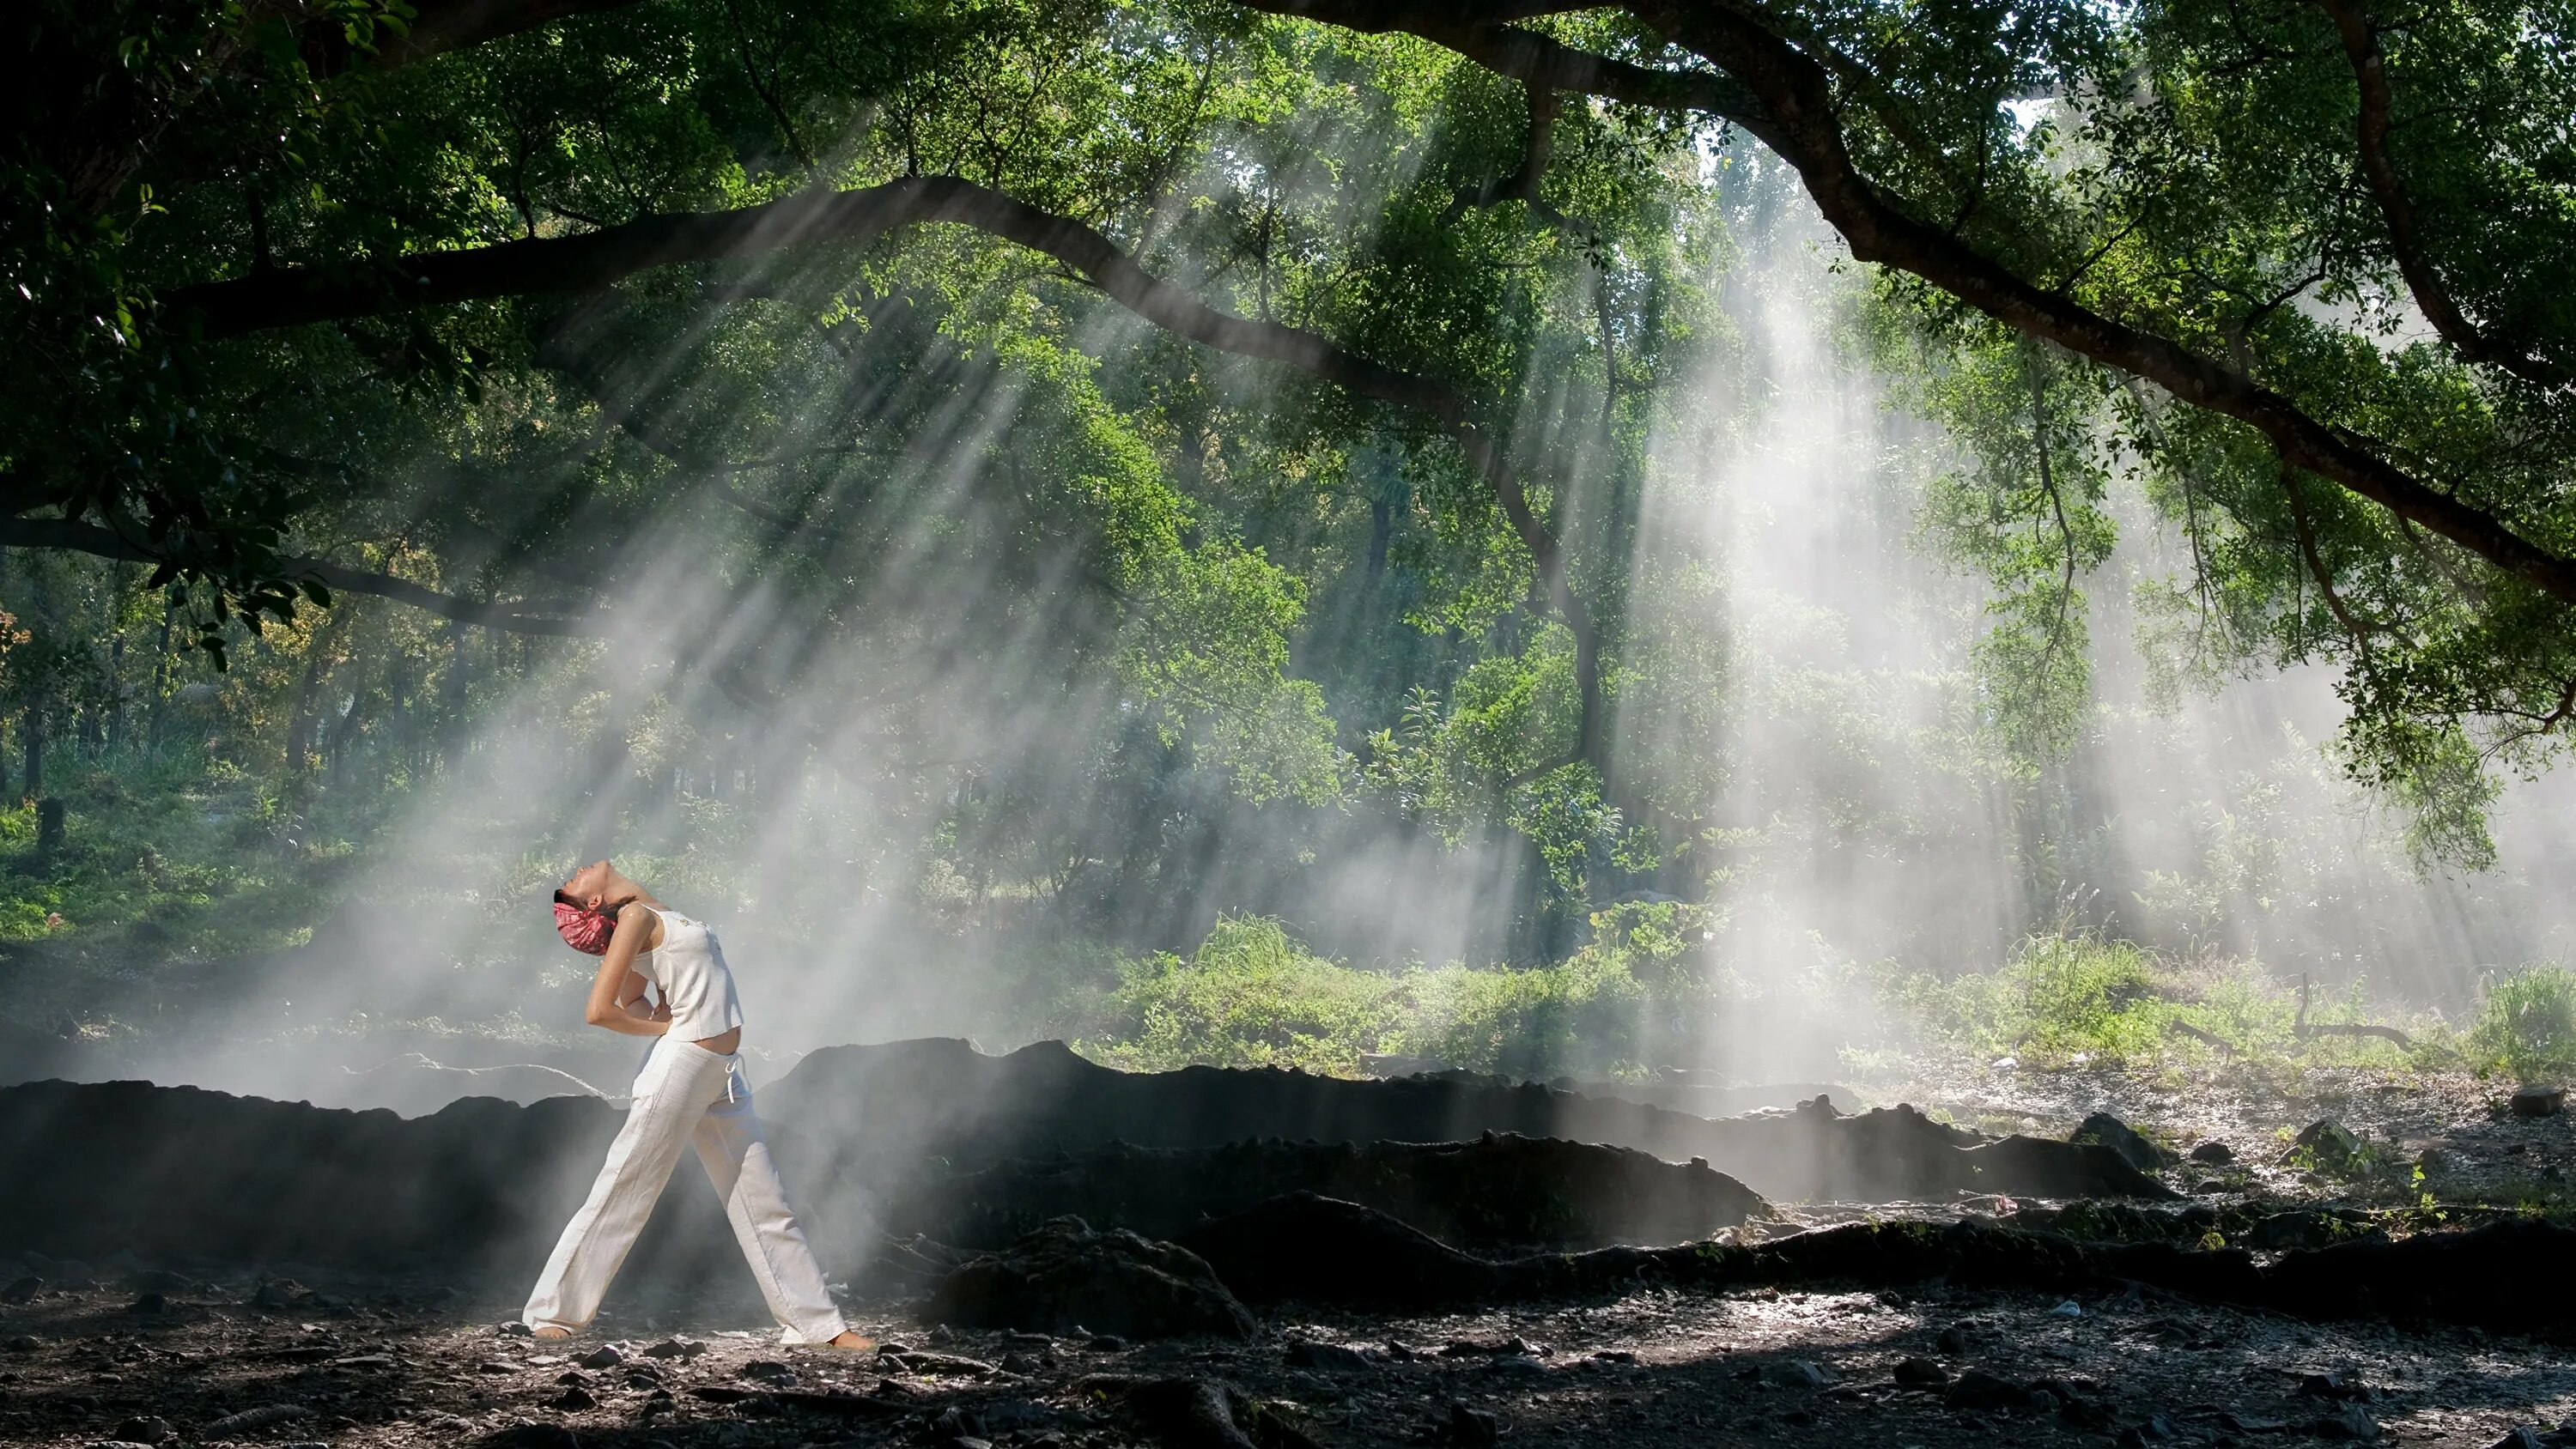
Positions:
(35, 751)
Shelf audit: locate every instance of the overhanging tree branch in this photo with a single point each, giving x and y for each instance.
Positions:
(1803, 127)
(1784, 98)
(2406, 241)
(69, 536)
(287, 297)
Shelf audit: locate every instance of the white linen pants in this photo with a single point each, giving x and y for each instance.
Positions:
(686, 1093)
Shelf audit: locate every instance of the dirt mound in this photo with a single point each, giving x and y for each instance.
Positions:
(1500, 1191)
(906, 1100)
(1067, 1276)
(2511, 1277)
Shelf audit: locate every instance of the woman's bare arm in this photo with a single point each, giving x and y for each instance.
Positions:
(608, 1004)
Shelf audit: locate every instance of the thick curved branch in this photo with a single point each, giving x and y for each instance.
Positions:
(64, 534)
(288, 297)
(1802, 126)
(1481, 33)
(2406, 242)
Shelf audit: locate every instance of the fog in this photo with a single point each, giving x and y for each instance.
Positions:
(782, 766)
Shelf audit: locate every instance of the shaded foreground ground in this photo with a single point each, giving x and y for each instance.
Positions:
(362, 1354)
(391, 1367)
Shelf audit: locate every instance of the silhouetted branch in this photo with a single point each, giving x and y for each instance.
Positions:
(55, 533)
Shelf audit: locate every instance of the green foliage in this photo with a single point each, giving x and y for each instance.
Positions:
(2527, 1025)
(1251, 995)
(2067, 996)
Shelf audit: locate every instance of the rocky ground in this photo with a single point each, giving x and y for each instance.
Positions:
(390, 1365)
(204, 1353)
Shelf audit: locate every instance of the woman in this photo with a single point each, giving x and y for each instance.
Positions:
(690, 1090)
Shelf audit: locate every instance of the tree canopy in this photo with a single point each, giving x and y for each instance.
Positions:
(1081, 336)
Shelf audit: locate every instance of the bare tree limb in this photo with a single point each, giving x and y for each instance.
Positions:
(2405, 239)
(64, 534)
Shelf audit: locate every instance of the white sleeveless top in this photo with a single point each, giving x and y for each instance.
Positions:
(689, 967)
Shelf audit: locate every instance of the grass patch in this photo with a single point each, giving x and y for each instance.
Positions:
(1253, 995)
(2081, 999)
(2527, 1025)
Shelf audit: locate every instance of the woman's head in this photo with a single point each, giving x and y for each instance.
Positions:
(586, 906)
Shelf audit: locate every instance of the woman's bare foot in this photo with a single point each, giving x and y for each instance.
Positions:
(854, 1342)
(551, 1331)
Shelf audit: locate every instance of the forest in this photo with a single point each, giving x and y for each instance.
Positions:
(1962, 616)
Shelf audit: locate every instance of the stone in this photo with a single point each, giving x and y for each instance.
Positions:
(768, 1371)
(1303, 1353)
(22, 1289)
(2539, 1101)
(1105, 1343)
(259, 1417)
(2334, 1384)
(573, 1400)
(1978, 1389)
(24, 1343)
(514, 1329)
(146, 1430)
(2156, 1430)
(2213, 1154)
(2068, 1309)
(604, 1356)
(1472, 1427)
(1797, 1373)
(530, 1436)
(1952, 1340)
(675, 1348)
(2328, 1144)
(1921, 1373)
(2352, 1422)
(278, 1293)
(2120, 1137)
(1066, 1274)
(1016, 1362)
(2520, 1436)
(150, 1303)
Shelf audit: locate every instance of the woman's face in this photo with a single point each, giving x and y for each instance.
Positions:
(588, 885)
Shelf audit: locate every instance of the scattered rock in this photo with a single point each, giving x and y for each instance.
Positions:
(278, 1293)
(769, 1371)
(2520, 1436)
(2120, 1137)
(2327, 1144)
(1797, 1373)
(604, 1356)
(2157, 1429)
(2068, 1309)
(1303, 1353)
(1978, 1389)
(2334, 1384)
(514, 1329)
(1105, 1343)
(2539, 1101)
(573, 1400)
(150, 1303)
(22, 1289)
(1016, 1362)
(24, 1343)
(2213, 1154)
(1921, 1373)
(2351, 1422)
(676, 1348)
(1952, 1340)
(1065, 1273)
(146, 1430)
(254, 1418)
(2312, 1228)
(1472, 1427)
(530, 1436)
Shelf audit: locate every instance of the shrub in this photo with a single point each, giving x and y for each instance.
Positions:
(2528, 1024)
